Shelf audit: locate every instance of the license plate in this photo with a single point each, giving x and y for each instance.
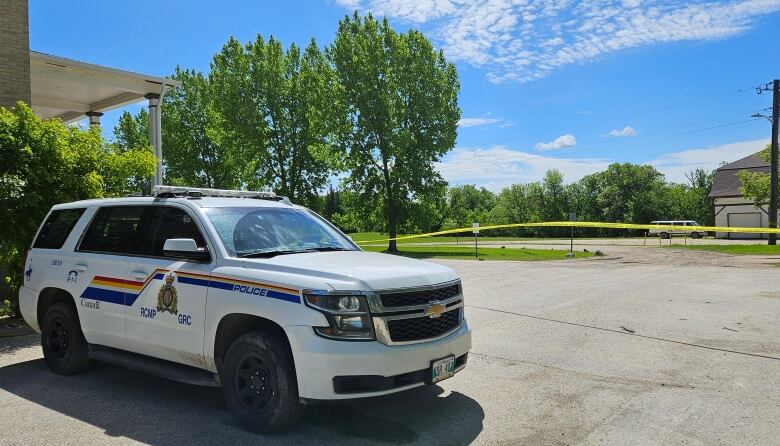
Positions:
(442, 369)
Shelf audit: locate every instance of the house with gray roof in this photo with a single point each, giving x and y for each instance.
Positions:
(732, 209)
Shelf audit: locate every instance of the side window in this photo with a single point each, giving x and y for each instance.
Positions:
(116, 230)
(170, 222)
(57, 227)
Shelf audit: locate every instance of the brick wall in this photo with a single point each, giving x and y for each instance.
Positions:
(14, 52)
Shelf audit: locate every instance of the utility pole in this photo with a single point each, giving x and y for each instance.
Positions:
(773, 155)
(773, 162)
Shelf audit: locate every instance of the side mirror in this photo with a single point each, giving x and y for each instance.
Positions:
(184, 248)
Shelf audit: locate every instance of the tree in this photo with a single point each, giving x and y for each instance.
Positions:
(131, 144)
(278, 110)
(194, 153)
(756, 185)
(46, 163)
(468, 204)
(701, 183)
(401, 105)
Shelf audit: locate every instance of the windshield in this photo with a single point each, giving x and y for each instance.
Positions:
(248, 231)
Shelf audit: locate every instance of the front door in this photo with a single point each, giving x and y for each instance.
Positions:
(165, 312)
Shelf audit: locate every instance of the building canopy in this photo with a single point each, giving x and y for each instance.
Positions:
(69, 89)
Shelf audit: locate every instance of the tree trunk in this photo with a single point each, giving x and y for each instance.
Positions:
(392, 245)
(390, 211)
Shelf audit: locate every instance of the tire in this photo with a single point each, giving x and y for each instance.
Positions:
(64, 347)
(261, 359)
(664, 235)
(696, 235)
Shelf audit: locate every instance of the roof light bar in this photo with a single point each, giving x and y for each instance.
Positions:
(204, 192)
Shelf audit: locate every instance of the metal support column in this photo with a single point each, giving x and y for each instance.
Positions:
(94, 118)
(155, 134)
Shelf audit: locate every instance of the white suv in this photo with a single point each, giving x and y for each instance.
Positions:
(240, 290)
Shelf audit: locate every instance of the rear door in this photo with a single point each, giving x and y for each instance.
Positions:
(165, 319)
(98, 272)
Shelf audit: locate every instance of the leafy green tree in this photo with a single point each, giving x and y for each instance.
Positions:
(194, 152)
(278, 110)
(468, 204)
(401, 104)
(46, 163)
(131, 145)
(756, 186)
(702, 209)
(132, 131)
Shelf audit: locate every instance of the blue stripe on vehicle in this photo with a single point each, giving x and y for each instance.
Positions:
(130, 299)
(284, 296)
(192, 281)
(221, 285)
(103, 295)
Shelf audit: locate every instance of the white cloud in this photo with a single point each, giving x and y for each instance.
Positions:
(499, 167)
(676, 164)
(561, 142)
(476, 122)
(415, 11)
(518, 40)
(625, 131)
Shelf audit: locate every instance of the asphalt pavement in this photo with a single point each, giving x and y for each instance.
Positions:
(672, 347)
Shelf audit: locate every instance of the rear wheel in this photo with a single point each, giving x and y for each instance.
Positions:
(64, 347)
(259, 383)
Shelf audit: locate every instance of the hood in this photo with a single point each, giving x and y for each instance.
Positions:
(344, 270)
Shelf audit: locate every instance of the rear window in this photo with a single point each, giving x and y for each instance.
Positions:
(116, 230)
(57, 227)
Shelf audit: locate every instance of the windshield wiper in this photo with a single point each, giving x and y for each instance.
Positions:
(274, 253)
(266, 254)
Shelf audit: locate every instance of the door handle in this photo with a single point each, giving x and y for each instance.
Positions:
(138, 275)
(81, 268)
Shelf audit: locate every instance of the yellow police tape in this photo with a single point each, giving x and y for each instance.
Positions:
(587, 224)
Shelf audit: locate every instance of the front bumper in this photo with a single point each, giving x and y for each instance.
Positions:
(318, 361)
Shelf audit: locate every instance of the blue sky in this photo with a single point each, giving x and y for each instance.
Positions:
(544, 84)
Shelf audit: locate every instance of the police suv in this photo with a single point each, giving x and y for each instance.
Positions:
(242, 290)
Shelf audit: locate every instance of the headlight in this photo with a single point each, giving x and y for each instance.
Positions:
(347, 315)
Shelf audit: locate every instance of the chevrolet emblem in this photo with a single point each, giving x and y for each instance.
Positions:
(434, 311)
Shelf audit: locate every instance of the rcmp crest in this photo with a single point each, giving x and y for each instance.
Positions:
(167, 298)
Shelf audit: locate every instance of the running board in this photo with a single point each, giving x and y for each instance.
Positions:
(153, 366)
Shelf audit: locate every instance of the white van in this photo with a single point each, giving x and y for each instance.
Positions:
(680, 228)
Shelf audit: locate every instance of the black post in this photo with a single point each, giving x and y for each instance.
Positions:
(773, 164)
(571, 243)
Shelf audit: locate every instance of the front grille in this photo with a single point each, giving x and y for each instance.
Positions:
(419, 297)
(420, 328)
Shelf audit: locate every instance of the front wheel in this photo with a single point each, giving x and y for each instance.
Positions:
(664, 235)
(64, 347)
(696, 235)
(259, 383)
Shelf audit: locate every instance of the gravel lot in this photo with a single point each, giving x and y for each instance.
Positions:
(651, 347)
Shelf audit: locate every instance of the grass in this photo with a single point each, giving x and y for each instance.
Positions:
(755, 250)
(467, 253)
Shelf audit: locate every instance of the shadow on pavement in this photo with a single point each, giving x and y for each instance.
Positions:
(10, 344)
(156, 411)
